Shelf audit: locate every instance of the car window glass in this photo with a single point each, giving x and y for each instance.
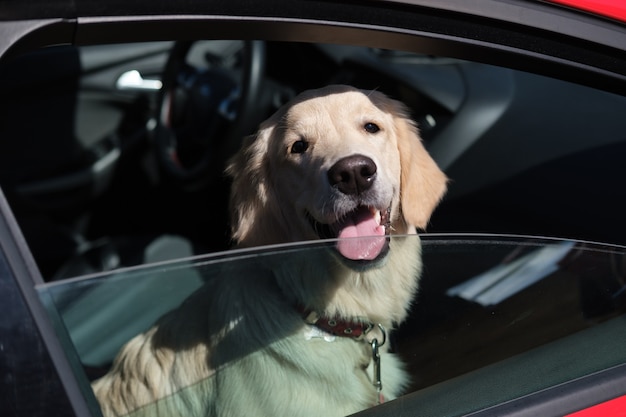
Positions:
(495, 298)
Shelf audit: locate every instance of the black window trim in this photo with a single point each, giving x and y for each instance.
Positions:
(560, 57)
(498, 43)
(26, 275)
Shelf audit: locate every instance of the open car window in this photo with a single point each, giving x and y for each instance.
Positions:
(497, 133)
(490, 309)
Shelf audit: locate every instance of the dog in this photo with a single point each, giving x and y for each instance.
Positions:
(298, 335)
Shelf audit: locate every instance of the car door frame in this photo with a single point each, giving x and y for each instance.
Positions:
(87, 24)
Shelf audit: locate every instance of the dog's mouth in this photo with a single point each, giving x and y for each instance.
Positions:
(362, 233)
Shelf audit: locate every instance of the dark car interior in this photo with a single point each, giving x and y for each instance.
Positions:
(112, 156)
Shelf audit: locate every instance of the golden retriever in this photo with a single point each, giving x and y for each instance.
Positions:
(304, 336)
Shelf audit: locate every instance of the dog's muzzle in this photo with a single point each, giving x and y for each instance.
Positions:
(363, 232)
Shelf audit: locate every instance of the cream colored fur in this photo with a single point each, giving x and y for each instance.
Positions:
(238, 346)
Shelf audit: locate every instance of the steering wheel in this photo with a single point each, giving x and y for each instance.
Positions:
(204, 112)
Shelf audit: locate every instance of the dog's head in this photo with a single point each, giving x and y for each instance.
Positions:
(334, 162)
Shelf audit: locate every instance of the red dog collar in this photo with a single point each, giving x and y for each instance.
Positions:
(338, 327)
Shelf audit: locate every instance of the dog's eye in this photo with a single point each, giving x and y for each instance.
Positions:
(299, 146)
(371, 127)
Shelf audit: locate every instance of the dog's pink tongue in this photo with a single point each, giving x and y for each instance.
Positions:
(360, 236)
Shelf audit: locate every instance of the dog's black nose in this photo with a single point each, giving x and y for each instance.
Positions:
(352, 174)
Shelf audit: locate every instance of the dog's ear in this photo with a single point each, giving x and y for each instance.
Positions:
(249, 189)
(422, 183)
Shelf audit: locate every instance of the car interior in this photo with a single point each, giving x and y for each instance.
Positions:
(112, 160)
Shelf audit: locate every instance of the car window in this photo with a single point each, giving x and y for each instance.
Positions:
(484, 303)
(123, 236)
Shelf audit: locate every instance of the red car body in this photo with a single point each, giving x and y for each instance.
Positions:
(614, 9)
